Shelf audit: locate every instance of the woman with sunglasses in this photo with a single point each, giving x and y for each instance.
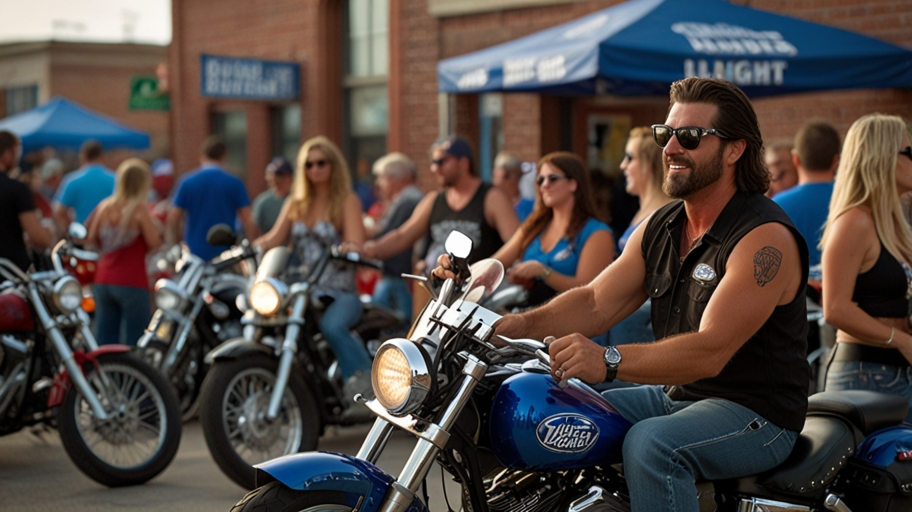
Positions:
(867, 248)
(321, 211)
(560, 245)
(642, 166)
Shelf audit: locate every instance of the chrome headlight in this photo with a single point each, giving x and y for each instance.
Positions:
(168, 295)
(401, 376)
(266, 296)
(67, 294)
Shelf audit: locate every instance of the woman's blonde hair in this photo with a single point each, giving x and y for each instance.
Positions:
(302, 189)
(133, 181)
(867, 177)
(650, 153)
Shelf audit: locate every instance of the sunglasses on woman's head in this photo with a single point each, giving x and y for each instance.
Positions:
(318, 163)
(907, 151)
(551, 178)
(688, 136)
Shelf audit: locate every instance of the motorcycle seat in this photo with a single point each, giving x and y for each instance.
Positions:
(827, 441)
(821, 450)
(868, 411)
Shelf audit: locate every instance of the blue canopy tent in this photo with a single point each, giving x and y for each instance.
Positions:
(62, 124)
(641, 46)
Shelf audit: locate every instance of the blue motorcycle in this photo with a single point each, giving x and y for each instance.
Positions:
(517, 440)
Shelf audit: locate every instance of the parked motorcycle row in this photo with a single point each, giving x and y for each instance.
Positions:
(235, 340)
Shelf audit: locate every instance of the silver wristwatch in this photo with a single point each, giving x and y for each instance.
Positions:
(612, 360)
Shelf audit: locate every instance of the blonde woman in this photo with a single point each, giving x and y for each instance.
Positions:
(321, 211)
(642, 166)
(122, 227)
(867, 248)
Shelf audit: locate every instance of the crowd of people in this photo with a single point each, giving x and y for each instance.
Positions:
(713, 269)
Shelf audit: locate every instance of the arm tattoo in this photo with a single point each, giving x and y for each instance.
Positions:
(766, 264)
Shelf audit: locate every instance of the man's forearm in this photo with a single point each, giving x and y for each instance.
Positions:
(568, 313)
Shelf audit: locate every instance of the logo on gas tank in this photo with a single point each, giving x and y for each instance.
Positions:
(567, 433)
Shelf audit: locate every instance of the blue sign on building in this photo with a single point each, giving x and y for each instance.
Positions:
(249, 79)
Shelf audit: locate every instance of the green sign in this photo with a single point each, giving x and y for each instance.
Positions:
(144, 94)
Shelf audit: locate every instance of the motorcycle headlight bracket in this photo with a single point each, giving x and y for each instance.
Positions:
(401, 376)
(67, 294)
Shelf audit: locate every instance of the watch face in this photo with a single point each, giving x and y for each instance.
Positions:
(612, 356)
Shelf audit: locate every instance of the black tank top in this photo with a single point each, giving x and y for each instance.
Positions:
(884, 289)
(769, 374)
(470, 221)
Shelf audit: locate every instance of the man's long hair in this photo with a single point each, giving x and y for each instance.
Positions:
(302, 189)
(736, 119)
(583, 204)
(866, 176)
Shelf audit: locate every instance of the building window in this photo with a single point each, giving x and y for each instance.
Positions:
(490, 117)
(286, 131)
(21, 98)
(366, 98)
(232, 127)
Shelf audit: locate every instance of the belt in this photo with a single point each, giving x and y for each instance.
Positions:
(843, 352)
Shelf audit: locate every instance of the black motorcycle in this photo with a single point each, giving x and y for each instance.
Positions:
(197, 312)
(273, 391)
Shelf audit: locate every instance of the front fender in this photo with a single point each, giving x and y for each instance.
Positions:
(235, 348)
(327, 471)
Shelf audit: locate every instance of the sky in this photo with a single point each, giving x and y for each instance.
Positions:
(135, 21)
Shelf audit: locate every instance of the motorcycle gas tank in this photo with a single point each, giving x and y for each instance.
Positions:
(15, 314)
(536, 425)
(887, 446)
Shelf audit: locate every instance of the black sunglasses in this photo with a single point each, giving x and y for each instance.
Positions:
(318, 163)
(439, 161)
(907, 151)
(551, 178)
(688, 136)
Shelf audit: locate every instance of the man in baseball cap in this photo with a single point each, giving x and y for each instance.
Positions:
(266, 206)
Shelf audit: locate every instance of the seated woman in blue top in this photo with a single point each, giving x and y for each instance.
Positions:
(560, 245)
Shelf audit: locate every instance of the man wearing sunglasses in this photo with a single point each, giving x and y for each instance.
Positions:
(466, 204)
(726, 272)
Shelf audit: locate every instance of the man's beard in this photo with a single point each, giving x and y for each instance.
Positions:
(679, 186)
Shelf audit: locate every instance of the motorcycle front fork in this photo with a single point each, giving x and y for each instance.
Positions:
(431, 440)
(288, 351)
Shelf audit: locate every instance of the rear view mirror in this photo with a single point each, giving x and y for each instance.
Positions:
(458, 245)
(221, 234)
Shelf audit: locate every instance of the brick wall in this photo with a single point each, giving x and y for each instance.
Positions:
(308, 32)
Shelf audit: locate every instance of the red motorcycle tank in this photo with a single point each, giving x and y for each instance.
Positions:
(15, 314)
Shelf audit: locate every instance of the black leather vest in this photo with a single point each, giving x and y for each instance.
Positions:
(769, 374)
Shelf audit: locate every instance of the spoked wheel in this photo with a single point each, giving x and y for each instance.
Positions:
(185, 378)
(141, 435)
(275, 497)
(235, 400)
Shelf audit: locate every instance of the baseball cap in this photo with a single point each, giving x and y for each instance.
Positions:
(162, 167)
(456, 146)
(279, 165)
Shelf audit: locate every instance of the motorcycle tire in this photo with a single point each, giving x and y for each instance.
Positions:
(275, 497)
(142, 433)
(187, 393)
(233, 403)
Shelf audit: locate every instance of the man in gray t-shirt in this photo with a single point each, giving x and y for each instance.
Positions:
(268, 205)
(395, 181)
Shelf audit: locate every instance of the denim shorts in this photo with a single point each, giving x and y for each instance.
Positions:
(845, 375)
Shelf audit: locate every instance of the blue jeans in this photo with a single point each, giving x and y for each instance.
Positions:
(121, 313)
(392, 293)
(843, 375)
(636, 328)
(336, 324)
(672, 444)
